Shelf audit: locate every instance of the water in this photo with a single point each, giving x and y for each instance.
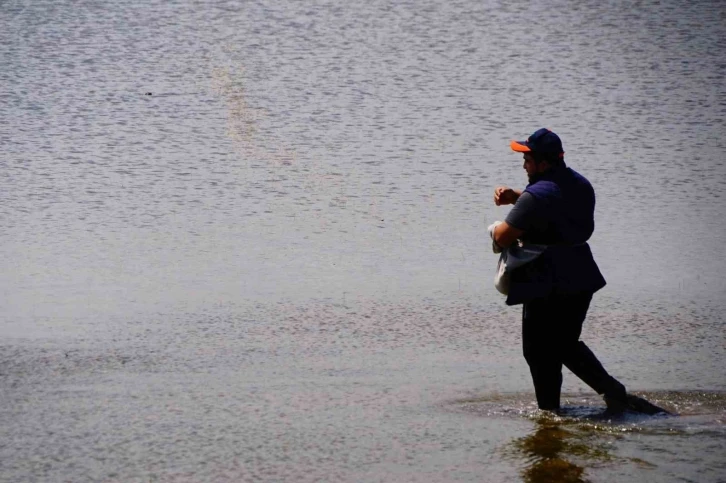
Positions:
(275, 266)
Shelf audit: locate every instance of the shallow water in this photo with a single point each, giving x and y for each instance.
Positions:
(274, 267)
(584, 439)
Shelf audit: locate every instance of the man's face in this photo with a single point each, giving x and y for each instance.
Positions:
(530, 166)
(533, 167)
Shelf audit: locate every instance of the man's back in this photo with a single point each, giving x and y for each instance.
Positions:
(556, 209)
(564, 208)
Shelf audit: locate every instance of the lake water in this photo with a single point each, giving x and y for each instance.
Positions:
(246, 241)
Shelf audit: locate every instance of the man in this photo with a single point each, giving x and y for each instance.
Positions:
(556, 209)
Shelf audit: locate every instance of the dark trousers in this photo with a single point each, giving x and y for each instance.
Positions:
(551, 338)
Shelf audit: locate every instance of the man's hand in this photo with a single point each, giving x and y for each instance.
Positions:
(505, 196)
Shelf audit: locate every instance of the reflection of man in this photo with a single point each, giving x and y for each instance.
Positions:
(547, 452)
(556, 209)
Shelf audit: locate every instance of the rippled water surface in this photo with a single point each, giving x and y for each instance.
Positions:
(246, 241)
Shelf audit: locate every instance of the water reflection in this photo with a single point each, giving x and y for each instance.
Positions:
(584, 441)
(555, 454)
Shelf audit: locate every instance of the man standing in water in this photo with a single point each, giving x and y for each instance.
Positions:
(556, 209)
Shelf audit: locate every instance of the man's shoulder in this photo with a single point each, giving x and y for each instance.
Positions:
(579, 177)
(523, 213)
(543, 189)
(526, 199)
(564, 184)
(584, 187)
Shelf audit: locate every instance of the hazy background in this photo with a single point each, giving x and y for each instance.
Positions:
(295, 219)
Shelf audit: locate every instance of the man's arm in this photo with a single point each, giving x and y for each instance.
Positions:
(505, 234)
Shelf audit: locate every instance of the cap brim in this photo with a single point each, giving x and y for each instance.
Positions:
(520, 146)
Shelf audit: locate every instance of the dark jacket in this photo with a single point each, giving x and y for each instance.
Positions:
(566, 266)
